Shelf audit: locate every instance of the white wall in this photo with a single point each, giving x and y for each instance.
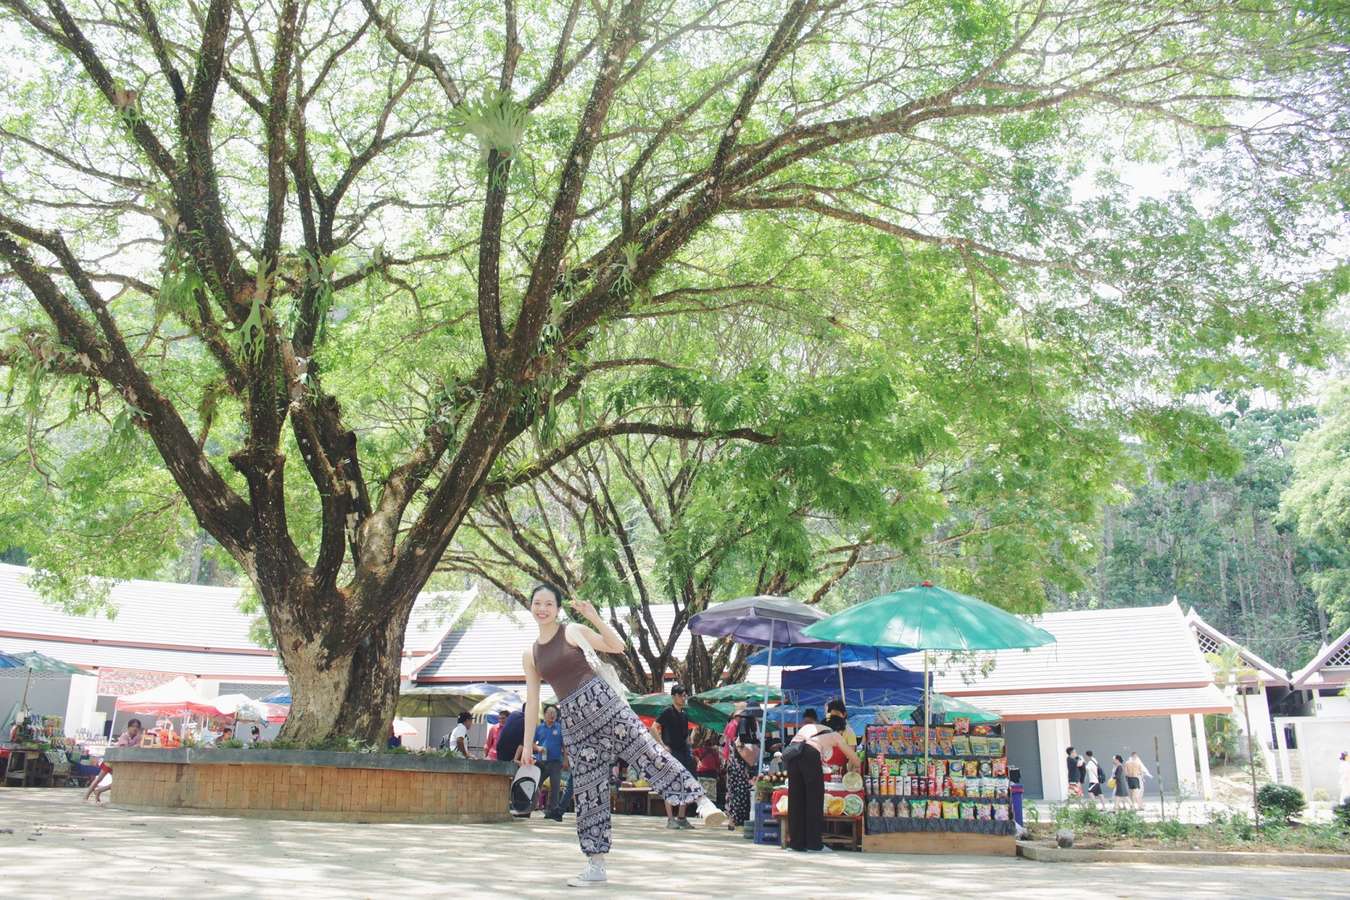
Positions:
(1333, 707)
(80, 706)
(1320, 744)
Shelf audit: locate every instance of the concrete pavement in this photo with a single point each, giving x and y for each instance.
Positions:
(61, 847)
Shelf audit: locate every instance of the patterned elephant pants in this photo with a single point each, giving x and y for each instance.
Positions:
(598, 730)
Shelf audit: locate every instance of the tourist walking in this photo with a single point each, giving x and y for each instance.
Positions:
(813, 746)
(1074, 764)
(1135, 773)
(672, 728)
(1120, 791)
(548, 745)
(1092, 778)
(598, 726)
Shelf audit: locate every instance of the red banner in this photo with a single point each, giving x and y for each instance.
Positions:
(120, 682)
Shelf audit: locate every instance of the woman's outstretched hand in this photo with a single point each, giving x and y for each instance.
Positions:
(587, 611)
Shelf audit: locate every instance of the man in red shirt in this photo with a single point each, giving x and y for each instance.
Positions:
(495, 732)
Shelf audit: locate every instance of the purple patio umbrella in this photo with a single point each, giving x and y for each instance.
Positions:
(763, 621)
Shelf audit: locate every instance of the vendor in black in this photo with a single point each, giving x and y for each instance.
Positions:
(673, 729)
(813, 746)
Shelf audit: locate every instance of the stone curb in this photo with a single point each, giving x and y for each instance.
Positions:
(406, 762)
(1042, 853)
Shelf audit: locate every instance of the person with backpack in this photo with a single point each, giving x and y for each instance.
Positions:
(743, 756)
(1092, 778)
(598, 726)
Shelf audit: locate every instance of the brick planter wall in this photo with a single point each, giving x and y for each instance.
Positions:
(304, 784)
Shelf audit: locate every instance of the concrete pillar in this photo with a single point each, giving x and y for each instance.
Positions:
(1202, 745)
(1183, 755)
(1052, 737)
(1282, 774)
(1258, 705)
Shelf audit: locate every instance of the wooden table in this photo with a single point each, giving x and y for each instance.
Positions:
(625, 799)
(28, 768)
(849, 833)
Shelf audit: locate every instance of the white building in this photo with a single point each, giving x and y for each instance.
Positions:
(1308, 747)
(161, 631)
(1250, 688)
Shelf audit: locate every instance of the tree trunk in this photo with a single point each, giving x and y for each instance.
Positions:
(351, 691)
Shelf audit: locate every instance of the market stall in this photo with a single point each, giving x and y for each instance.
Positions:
(926, 765)
(954, 798)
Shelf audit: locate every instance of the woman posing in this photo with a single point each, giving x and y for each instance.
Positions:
(598, 727)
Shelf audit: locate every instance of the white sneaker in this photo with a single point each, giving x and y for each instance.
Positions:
(712, 816)
(594, 874)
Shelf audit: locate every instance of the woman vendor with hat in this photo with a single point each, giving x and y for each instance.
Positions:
(813, 748)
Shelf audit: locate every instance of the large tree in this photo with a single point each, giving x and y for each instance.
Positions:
(346, 268)
(1317, 503)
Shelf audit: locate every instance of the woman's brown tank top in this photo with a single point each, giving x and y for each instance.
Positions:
(563, 666)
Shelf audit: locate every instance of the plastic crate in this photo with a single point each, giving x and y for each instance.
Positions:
(767, 832)
(766, 827)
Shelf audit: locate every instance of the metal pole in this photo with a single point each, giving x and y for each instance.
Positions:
(840, 662)
(1162, 790)
(764, 713)
(927, 702)
(1251, 757)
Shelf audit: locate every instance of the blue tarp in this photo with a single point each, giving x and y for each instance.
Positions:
(864, 685)
(818, 656)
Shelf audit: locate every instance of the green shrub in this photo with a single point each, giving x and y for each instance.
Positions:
(1172, 830)
(1075, 816)
(230, 744)
(1280, 801)
(1235, 827)
(1125, 824)
(1341, 815)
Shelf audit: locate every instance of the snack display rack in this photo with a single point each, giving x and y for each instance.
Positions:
(954, 799)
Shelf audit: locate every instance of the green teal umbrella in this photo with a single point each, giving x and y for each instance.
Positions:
(742, 690)
(929, 618)
(40, 662)
(950, 707)
(700, 712)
